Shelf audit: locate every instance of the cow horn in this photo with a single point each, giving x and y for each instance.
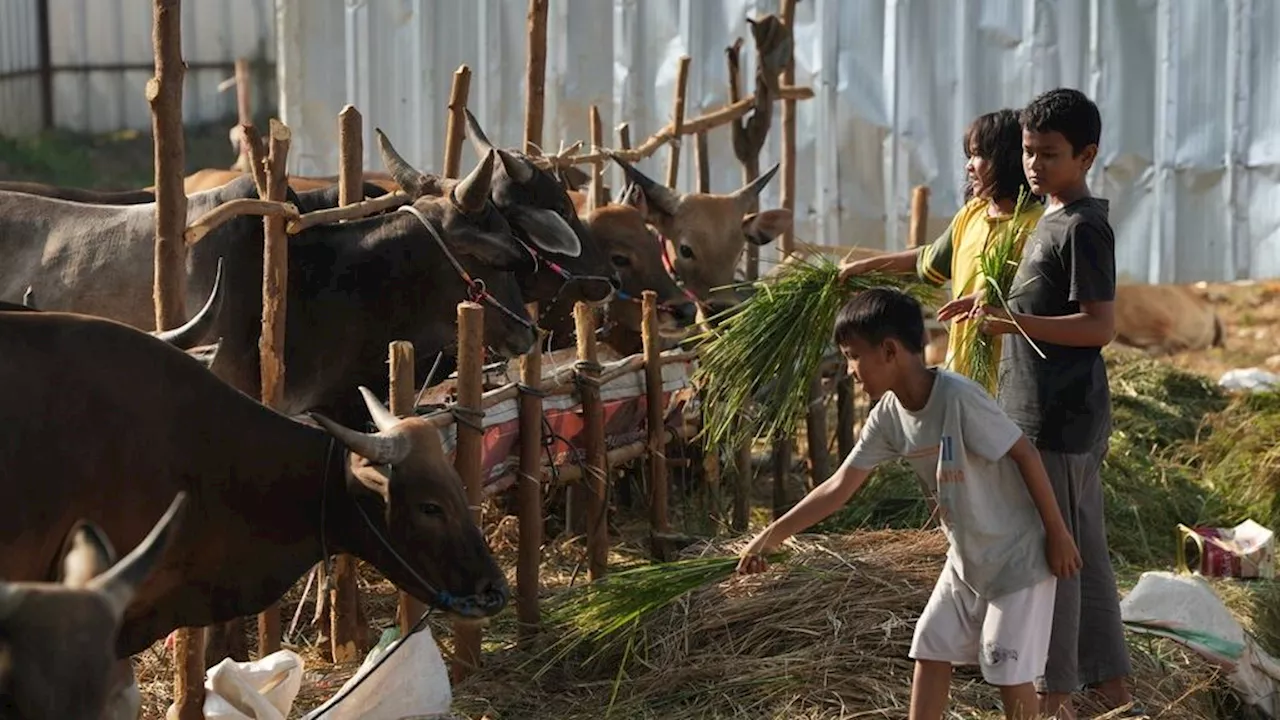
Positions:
(120, 583)
(409, 178)
(380, 448)
(29, 297)
(382, 417)
(186, 336)
(10, 598)
(472, 192)
(748, 193)
(514, 166)
(659, 196)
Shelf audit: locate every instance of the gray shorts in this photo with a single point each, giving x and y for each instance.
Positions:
(1088, 602)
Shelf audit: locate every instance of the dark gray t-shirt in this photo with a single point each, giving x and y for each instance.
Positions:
(1061, 401)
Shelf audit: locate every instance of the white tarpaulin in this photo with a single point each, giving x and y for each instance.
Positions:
(1190, 154)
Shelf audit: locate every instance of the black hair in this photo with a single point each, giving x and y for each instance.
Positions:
(877, 314)
(1068, 111)
(997, 137)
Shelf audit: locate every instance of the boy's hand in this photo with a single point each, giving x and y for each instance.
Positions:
(751, 559)
(1060, 550)
(852, 267)
(992, 320)
(961, 306)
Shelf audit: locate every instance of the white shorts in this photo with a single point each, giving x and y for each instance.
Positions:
(1006, 636)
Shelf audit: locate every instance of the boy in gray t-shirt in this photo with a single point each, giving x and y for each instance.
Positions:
(993, 604)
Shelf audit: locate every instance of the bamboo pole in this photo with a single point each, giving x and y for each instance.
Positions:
(344, 601)
(454, 132)
(595, 197)
(529, 491)
(788, 193)
(593, 439)
(400, 353)
(535, 76)
(919, 217)
(677, 120)
(659, 521)
(164, 94)
(702, 123)
(468, 457)
(244, 108)
(275, 275)
(816, 433)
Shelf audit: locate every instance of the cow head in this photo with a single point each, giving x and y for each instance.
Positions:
(544, 218)
(706, 232)
(474, 234)
(58, 640)
(403, 473)
(636, 255)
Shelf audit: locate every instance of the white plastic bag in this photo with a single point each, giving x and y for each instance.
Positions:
(413, 682)
(1252, 379)
(259, 690)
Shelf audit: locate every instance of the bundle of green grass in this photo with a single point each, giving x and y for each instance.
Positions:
(756, 365)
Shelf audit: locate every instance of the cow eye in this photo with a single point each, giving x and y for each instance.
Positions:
(430, 508)
(621, 261)
(686, 252)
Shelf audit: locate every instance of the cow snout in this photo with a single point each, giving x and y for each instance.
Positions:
(492, 594)
(685, 313)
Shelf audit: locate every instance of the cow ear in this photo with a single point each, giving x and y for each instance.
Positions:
(763, 228)
(548, 230)
(87, 554)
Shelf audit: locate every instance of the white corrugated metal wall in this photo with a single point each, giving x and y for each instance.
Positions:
(1187, 88)
(100, 53)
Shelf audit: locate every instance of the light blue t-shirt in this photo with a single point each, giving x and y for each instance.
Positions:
(958, 445)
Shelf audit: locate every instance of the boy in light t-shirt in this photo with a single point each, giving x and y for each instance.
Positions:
(993, 603)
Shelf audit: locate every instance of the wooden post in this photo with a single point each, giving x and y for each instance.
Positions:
(275, 279)
(164, 93)
(702, 163)
(844, 413)
(658, 518)
(624, 143)
(402, 398)
(244, 96)
(344, 600)
(677, 120)
(535, 76)
(596, 482)
(529, 491)
(595, 197)
(788, 194)
(468, 456)
(919, 217)
(454, 133)
(816, 433)
(745, 147)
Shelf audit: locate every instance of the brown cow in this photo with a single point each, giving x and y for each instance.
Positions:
(706, 232)
(636, 255)
(1165, 318)
(58, 640)
(375, 183)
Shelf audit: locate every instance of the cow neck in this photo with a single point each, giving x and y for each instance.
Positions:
(477, 290)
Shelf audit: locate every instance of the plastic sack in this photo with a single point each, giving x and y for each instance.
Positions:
(1244, 551)
(1253, 379)
(259, 690)
(412, 682)
(1185, 609)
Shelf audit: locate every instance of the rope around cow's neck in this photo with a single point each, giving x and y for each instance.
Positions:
(476, 288)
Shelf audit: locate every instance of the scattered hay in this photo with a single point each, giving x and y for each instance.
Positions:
(826, 635)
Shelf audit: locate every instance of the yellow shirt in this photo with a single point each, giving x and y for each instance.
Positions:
(956, 256)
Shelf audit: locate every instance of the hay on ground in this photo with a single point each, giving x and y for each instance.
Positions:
(826, 635)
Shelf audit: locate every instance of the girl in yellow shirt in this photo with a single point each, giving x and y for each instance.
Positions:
(993, 147)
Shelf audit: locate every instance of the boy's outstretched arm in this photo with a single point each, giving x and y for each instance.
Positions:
(825, 499)
(1093, 326)
(1060, 547)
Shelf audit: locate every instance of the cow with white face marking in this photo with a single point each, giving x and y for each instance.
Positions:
(706, 233)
